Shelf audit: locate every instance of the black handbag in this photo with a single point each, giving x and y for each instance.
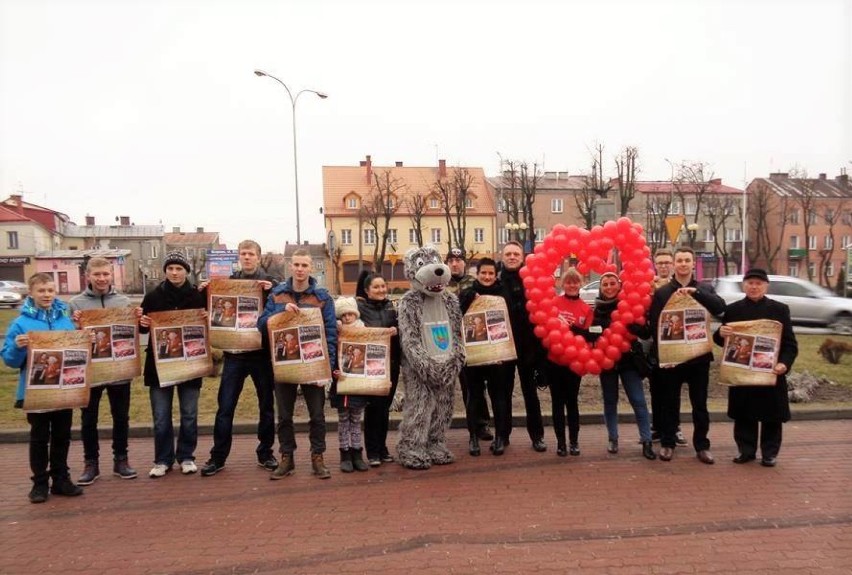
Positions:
(639, 359)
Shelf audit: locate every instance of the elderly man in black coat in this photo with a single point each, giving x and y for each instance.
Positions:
(764, 406)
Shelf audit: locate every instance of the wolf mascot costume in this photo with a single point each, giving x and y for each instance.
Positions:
(433, 354)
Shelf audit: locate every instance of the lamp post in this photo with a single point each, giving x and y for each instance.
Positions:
(693, 230)
(515, 227)
(293, 100)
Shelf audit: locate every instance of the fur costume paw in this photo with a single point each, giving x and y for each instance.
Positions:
(430, 324)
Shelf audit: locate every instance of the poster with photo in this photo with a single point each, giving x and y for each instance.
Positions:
(750, 353)
(487, 332)
(180, 345)
(234, 306)
(299, 350)
(115, 349)
(683, 331)
(57, 375)
(363, 354)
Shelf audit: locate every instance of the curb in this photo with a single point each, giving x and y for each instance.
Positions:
(459, 422)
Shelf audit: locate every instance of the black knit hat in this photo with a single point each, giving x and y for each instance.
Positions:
(178, 258)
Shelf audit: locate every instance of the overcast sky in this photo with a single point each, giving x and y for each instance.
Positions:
(150, 109)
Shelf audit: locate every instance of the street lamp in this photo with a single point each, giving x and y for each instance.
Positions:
(514, 227)
(693, 230)
(293, 100)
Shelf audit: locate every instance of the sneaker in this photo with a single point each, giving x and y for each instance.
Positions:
(188, 467)
(680, 439)
(388, 458)
(374, 461)
(269, 463)
(65, 487)
(159, 470)
(122, 469)
(38, 494)
(90, 472)
(212, 467)
(285, 468)
(318, 465)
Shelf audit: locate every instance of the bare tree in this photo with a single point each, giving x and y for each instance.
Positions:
(807, 201)
(518, 191)
(595, 186)
(454, 195)
(768, 215)
(832, 217)
(718, 212)
(274, 264)
(377, 210)
(658, 208)
(626, 169)
(693, 183)
(416, 203)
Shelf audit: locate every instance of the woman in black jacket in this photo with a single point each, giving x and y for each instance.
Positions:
(378, 311)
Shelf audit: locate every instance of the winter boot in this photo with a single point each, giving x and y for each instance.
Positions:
(357, 461)
(90, 472)
(318, 465)
(346, 461)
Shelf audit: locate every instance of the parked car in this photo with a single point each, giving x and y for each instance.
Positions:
(10, 299)
(810, 304)
(589, 292)
(14, 286)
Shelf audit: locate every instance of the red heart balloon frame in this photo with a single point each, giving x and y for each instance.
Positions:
(592, 249)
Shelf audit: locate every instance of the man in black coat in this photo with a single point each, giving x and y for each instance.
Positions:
(767, 407)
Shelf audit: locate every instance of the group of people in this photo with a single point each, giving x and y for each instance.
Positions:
(51, 431)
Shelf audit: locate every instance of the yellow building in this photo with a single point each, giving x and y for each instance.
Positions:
(355, 221)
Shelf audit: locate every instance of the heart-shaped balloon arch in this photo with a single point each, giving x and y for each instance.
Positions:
(593, 249)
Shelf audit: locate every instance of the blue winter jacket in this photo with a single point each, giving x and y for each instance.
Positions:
(32, 318)
(313, 296)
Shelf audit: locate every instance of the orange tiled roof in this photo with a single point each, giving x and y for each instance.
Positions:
(10, 215)
(191, 238)
(340, 181)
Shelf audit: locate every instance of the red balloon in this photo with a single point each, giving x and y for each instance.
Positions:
(570, 352)
(540, 331)
(613, 352)
(557, 349)
(577, 367)
(529, 281)
(593, 367)
(626, 318)
(607, 364)
(597, 355)
(584, 354)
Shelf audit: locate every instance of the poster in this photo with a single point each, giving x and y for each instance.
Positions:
(234, 306)
(750, 353)
(363, 354)
(683, 331)
(115, 347)
(180, 345)
(57, 375)
(298, 347)
(221, 263)
(487, 332)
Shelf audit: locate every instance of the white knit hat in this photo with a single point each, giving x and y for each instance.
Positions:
(346, 305)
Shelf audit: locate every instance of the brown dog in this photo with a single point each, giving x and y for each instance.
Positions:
(833, 350)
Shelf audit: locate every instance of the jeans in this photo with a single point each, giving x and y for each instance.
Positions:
(532, 406)
(564, 395)
(285, 397)
(234, 372)
(164, 432)
(119, 407)
(632, 383)
(377, 419)
(50, 438)
(697, 378)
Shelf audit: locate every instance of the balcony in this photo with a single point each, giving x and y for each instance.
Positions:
(796, 253)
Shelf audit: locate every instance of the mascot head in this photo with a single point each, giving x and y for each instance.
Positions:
(425, 270)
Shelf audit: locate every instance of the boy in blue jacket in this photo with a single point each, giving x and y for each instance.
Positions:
(50, 432)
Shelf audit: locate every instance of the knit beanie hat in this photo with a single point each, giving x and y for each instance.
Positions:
(176, 257)
(346, 305)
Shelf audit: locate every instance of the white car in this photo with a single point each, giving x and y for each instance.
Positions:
(10, 299)
(14, 286)
(589, 292)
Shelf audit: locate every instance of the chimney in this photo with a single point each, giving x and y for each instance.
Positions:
(399, 164)
(199, 230)
(176, 230)
(442, 168)
(124, 220)
(778, 176)
(369, 166)
(18, 202)
(90, 220)
(716, 182)
(843, 178)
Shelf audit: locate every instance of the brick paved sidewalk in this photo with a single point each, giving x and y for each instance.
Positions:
(524, 512)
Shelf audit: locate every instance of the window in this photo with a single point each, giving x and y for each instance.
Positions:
(829, 215)
(690, 207)
(733, 235)
(478, 235)
(812, 241)
(829, 269)
(794, 217)
(436, 235)
(539, 235)
(709, 237)
(845, 242)
(155, 251)
(811, 217)
(828, 242)
(794, 270)
(501, 205)
(352, 203)
(502, 236)
(390, 203)
(370, 237)
(412, 235)
(847, 218)
(392, 235)
(811, 270)
(433, 203)
(346, 237)
(794, 243)
(674, 209)
(556, 205)
(12, 240)
(468, 203)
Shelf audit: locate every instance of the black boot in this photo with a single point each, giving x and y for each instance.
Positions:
(346, 461)
(648, 450)
(473, 446)
(498, 447)
(357, 461)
